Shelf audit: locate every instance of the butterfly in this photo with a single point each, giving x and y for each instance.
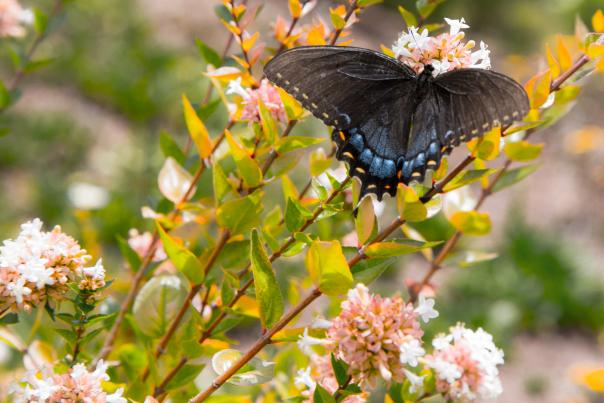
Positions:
(390, 124)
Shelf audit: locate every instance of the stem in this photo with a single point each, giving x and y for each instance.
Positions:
(148, 258)
(76, 348)
(241, 291)
(161, 347)
(265, 339)
(39, 38)
(289, 32)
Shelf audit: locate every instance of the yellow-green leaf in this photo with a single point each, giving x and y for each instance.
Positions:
(269, 126)
(337, 20)
(248, 168)
(408, 16)
(486, 147)
(409, 206)
(398, 248)
(319, 162)
(292, 143)
(552, 62)
(365, 221)
(182, 258)
(268, 294)
(466, 177)
(513, 176)
(293, 109)
(197, 129)
(241, 214)
(222, 186)
(472, 222)
(522, 151)
(328, 268)
(564, 56)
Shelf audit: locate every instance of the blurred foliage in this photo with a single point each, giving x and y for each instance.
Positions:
(536, 284)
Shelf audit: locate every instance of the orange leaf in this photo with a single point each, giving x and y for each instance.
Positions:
(249, 42)
(563, 54)
(538, 87)
(553, 63)
(597, 21)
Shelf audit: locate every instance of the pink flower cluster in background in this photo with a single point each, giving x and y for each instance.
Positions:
(465, 364)
(39, 264)
(251, 98)
(78, 385)
(445, 52)
(12, 18)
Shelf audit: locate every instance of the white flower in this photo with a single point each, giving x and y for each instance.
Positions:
(320, 323)
(481, 55)
(18, 290)
(303, 378)
(96, 272)
(415, 380)
(425, 308)
(385, 372)
(446, 370)
(456, 25)
(305, 342)
(236, 88)
(410, 352)
(116, 397)
(441, 341)
(87, 196)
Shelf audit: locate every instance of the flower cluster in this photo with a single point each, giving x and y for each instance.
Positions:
(78, 385)
(12, 18)
(39, 264)
(378, 336)
(465, 364)
(444, 52)
(251, 98)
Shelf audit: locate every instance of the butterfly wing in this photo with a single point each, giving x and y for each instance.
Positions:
(365, 95)
(458, 106)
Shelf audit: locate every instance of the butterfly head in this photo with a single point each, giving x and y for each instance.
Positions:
(427, 71)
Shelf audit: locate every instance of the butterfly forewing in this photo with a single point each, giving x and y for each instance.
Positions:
(365, 95)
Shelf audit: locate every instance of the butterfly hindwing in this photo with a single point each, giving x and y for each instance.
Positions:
(365, 95)
(457, 107)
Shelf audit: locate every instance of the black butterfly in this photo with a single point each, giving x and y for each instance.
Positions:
(392, 124)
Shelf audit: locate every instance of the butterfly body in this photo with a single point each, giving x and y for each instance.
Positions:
(391, 125)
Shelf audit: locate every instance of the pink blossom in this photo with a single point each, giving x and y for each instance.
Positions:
(78, 385)
(251, 98)
(12, 18)
(369, 332)
(141, 242)
(465, 364)
(38, 264)
(444, 52)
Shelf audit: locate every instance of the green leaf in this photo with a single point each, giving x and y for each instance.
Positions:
(67, 334)
(319, 162)
(209, 55)
(222, 186)
(426, 7)
(367, 3)
(197, 130)
(472, 222)
(368, 270)
(132, 358)
(133, 259)
(268, 294)
(185, 376)
(398, 248)
(514, 176)
(408, 16)
(40, 21)
(295, 215)
(169, 147)
(182, 258)
(248, 168)
(9, 319)
(522, 151)
(241, 214)
(322, 396)
(466, 177)
(409, 206)
(5, 97)
(337, 21)
(340, 370)
(328, 268)
(365, 221)
(269, 126)
(292, 143)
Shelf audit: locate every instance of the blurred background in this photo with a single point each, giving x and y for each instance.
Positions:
(84, 153)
